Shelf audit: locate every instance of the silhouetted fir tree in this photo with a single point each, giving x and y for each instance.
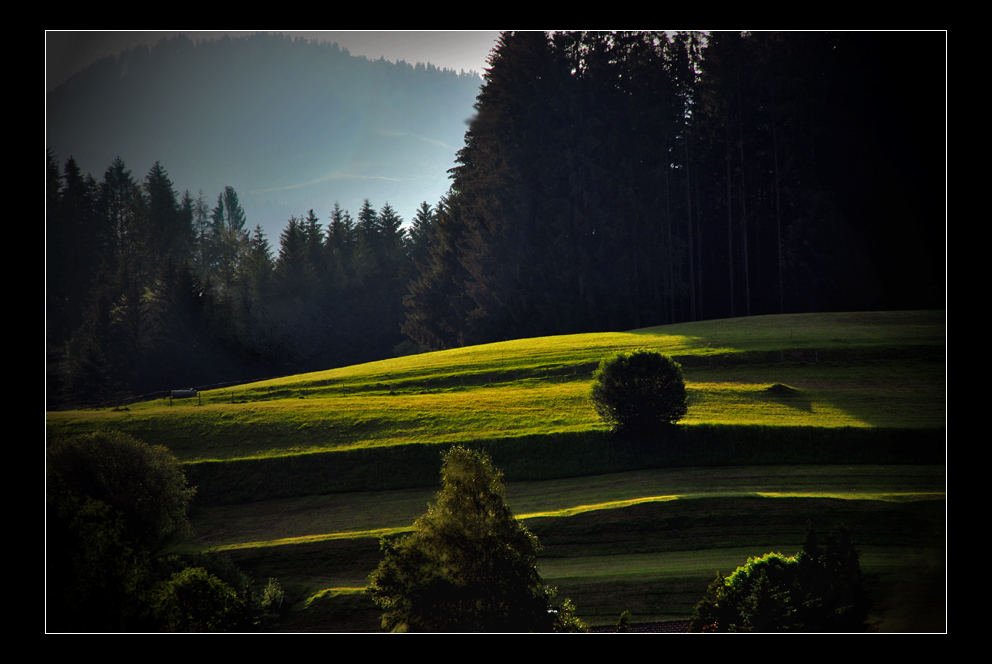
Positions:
(169, 236)
(290, 280)
(418, 235)
(367, 236)
(436, 302)
(391, 238)
(258, 264)
(187, 222)
(254, 295)
(498, 181)
(203, 250)
(340, 248)
(314, 233)
(228, 237)
(122, 205)
(76, 238)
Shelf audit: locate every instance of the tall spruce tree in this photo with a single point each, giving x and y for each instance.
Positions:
(169, 234)
(498, 181)
(436, 302)
(228, 238)
(468, 565)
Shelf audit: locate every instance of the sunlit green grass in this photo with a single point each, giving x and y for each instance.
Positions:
(539, 386)
(342, 516)
(613, 541)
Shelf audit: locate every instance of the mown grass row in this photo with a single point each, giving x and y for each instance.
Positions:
(560, 455)
(651, 546)
(344, 515)
(652, 558)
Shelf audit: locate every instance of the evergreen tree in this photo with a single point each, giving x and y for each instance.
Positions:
(169, 238)
(315, 254)
(291, 270)
(76, 238)
(468, 565)
(367, 240)
(498, 181)
(436, 302)
(122, 204)
(418, 235)
(392, 241)
(203, 254)
(228, 238)
(340, 248)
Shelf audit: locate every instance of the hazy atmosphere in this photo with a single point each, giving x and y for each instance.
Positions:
(302, 153)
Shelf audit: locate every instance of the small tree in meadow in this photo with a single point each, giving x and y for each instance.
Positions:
(639, 392)
(468, 565)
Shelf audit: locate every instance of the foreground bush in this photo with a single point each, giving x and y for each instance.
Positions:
(469, 565)
(639, 392)
(194, 600)
(143, 485)
(113, 502)
(817, 590)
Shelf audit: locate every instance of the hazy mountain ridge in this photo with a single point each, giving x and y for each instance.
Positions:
(291, 124)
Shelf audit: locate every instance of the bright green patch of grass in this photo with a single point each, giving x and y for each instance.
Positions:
(537, 386)
(859, 397)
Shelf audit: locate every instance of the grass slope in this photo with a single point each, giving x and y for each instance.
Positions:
(300, 475)
(866, 370)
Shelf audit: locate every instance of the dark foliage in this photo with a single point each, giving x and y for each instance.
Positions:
(608, 180)
(113, 505)
(639, 393)
(817, 590)
(617, 180)
(469, 565)
(171, 293)
(194, 600)
(113, 502)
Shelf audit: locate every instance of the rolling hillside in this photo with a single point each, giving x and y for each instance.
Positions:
(839, 418)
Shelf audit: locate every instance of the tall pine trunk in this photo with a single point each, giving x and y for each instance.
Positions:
(778, 220)
(744, 247)
(730, 218)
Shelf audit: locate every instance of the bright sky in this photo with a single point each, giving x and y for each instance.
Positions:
(66, 52)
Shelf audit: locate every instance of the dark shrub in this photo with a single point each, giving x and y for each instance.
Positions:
(194, 600)
(820, 589)
(639, 392)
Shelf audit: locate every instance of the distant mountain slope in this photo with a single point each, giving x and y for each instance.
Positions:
(290, 124)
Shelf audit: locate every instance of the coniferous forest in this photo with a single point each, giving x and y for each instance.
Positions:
(608, 181)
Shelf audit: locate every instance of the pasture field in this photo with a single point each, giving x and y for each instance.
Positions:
(834, 418)
(648, 541)
(835, 370)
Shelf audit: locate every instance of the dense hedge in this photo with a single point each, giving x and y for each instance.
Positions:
(559, 455)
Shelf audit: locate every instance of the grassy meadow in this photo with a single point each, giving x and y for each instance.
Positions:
(835, 418)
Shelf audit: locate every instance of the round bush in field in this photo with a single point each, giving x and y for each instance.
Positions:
(639, 392)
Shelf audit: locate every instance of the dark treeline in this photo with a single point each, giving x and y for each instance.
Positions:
(616, 180)
(607, 181)
(148, 291)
